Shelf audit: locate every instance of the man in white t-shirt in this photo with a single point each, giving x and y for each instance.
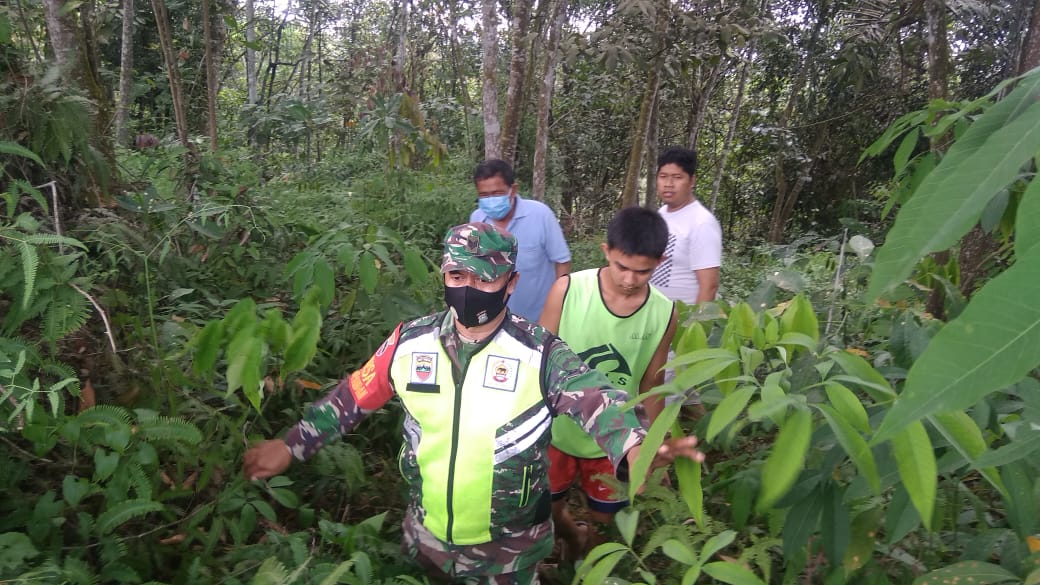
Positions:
(690, 271)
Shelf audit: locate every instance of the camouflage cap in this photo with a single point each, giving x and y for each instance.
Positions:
(480, 248)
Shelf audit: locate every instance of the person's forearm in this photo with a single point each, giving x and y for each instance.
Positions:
(334, 415)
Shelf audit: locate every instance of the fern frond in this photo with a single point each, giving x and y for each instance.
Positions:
(142, 486)
(164, 428)
(271, 572)
(53, 240)
(78, 572)
(30, 264)
(105, 415)
(67, 312)
(123, 512)
(61, 371)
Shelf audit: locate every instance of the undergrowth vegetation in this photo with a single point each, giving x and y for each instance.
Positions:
(145, 345)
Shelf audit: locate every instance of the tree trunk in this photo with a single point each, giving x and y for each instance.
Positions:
(700, 99)
(126, 80)
(251, 91)
(162, 21)
(401, 55)
(489, 45)
(630, 191)
(733, 123)
(517, 69)
(212, 78)
(785, 197)
(652, 149)
(61, 32)
(978, 248)
(541, 148)
(938, 74)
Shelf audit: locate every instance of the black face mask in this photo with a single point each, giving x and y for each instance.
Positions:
(474, 307)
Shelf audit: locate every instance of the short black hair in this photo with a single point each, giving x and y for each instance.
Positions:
(638, 231)
(494, 167)
(686, 158)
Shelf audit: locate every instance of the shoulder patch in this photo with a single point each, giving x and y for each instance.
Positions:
(370, 385)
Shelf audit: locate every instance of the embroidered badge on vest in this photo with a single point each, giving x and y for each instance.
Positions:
(500, 373)
(424, 367)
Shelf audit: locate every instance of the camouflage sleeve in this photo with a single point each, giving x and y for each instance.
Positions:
(350, 401)
(587, 396)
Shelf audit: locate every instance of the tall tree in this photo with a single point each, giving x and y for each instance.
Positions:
(212, 77)
(517, 68)
(541, 149)
(630, 192)
(489, 45)
(173, 74)
(126, 72)
(251, 91)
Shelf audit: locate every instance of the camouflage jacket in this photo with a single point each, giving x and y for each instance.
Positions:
(569, 388)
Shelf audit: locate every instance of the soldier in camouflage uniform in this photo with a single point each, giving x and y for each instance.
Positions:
(479, 386)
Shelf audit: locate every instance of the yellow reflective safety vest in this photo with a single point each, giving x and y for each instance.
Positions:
(475, 452)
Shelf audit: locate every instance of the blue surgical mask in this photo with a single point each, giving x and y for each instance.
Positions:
(496, 206)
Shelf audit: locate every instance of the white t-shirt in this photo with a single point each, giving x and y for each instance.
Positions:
(694, 243)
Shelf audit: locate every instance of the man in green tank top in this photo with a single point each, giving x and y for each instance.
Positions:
(621, 326)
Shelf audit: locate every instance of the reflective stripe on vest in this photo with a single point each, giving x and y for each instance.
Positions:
(459, 439)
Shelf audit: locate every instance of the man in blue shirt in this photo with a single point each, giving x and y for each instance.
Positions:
(543, 254)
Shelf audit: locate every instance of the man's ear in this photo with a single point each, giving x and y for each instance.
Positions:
(603, 246)
(512, 283)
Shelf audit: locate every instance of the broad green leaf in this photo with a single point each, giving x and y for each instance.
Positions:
(325, 280)
(966, 437)
(243, 358)
(688, 472)
(787, 279)
(863, 537)
(679, 551)
(863, 374)
(74, 488)
(652, 442)
(700, 355)
(368, 272)
(207, 347)
(994, 343)
(732, 573)
(627, 521)
(952, 197)
(974, 572)
(15, 549)
(906, 148)
(1025, 443)
(241, 315)
(740, 327)
(799, 317)
(700, 373)
(855, 446)
(595, 555)
(848, 405)
(915, 461)
(692, 339)
(1020, 498)
(786, 459)
(347, 258)
(801, 522)
(602, 568)
(105, 464)
(1027, 219)
(303, 343)
(717, 543)
(728, 410)
(414, 265)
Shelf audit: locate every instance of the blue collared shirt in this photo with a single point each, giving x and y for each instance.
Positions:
(541, 246)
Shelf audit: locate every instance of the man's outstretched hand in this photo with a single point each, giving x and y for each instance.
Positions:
(668, 452)
(266, 459)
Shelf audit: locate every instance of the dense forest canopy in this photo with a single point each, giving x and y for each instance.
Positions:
(214, 209)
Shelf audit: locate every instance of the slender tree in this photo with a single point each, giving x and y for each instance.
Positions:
(489, 45)
(517, 68)
(541, 149)
(212, 77)
(630, 192)
(251, 90)
(126, 71)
